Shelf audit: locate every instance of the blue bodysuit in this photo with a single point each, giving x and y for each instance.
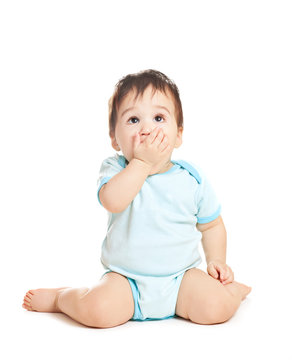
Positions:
(155, 239)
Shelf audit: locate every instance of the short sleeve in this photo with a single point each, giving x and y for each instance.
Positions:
(208, 205)
(109, 167)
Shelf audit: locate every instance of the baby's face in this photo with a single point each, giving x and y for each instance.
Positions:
(141, 117)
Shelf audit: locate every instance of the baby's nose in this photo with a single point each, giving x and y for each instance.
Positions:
(147, 130)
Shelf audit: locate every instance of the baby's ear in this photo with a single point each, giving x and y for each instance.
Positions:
(179, 137)
(115, 144)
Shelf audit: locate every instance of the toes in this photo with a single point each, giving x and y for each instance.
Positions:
(27, 300)
(28, 296)
(30, 293)
(27, 306)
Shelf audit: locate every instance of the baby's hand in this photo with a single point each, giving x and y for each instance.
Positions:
(221, 272)
(154, 149)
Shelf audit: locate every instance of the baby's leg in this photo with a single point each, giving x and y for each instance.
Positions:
(108, 304)
(204, 300)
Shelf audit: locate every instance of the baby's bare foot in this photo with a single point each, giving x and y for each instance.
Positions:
(43, 300)
(236, 287)
(244, 289)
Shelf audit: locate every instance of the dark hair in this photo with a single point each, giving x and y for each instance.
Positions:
(140, 81)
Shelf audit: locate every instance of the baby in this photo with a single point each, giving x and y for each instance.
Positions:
(159, 210)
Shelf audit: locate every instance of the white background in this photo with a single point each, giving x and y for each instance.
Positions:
(60, 61)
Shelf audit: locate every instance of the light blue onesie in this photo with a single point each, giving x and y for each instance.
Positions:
(155, 239)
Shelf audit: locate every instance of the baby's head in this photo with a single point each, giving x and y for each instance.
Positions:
(149, 98)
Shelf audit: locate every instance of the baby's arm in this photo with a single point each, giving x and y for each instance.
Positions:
(214, 245)
(121, 189)
(214, 240)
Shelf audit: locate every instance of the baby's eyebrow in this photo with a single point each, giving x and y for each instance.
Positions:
(157, 106)
(129, 109)
(162, 107)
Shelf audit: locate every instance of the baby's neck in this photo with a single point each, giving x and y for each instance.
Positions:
(167, 167)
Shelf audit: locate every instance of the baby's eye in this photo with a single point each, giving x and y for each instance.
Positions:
(134, 120)
(159, 118)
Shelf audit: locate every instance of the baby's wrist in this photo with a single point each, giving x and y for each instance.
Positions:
(221, 261)
(143, 165)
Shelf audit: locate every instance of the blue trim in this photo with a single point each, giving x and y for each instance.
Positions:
(121, 161)
(163, 318)
(190, 169)
(103, 181)
(172, 169)
(137, 313)
(193, 172)
(205, 220)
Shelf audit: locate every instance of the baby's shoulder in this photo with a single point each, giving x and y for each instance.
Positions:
(192, 168)
(115, 160)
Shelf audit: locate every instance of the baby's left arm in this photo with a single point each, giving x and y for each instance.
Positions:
(214, 245)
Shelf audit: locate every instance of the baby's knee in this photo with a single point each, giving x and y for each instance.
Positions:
(98, 312)
(215, 311)
(93, 313)
(221, 311)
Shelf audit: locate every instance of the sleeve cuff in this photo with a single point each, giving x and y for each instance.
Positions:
(205, 220)
(103, 181)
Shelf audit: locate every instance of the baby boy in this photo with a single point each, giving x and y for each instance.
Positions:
(159, 210)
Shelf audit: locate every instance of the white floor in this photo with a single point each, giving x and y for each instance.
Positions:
(259, 330)
(254, 332)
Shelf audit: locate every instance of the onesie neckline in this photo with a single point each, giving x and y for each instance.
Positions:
(124, 162)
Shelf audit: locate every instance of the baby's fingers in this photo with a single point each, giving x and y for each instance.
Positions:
(223, 271)
(154, 135)
(228, 277)
(164, 143)
(212, 271)
(136, 141)
(223, 274)
(228, 280)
